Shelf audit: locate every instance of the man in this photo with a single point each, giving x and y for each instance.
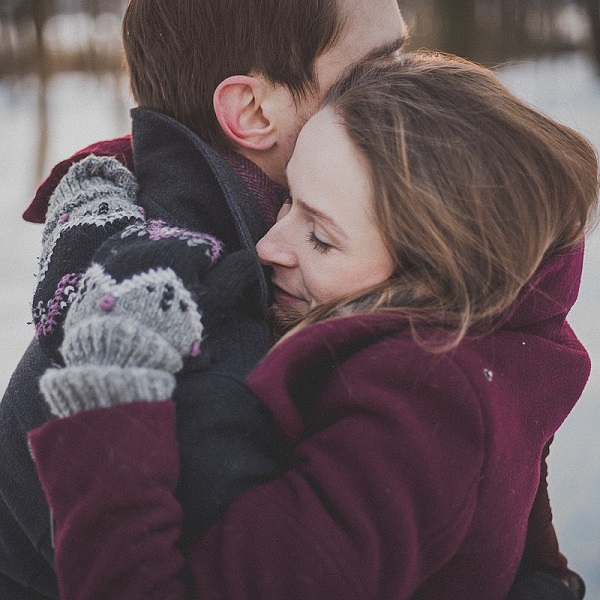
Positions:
(244, 76)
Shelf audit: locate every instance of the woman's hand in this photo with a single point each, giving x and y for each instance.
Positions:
(92, 202)
(133, 319)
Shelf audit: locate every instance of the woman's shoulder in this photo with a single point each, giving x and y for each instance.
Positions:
(384, 339)
(494, 382)
(367, 363)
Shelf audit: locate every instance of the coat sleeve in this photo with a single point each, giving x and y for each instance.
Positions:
(109, 476)
(373, 504)
(541, 549)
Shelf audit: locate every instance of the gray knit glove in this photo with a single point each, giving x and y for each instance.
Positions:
(134, 319)
(92, 202)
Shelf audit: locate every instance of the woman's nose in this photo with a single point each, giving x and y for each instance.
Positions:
(274, 249)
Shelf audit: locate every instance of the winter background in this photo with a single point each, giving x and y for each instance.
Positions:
(41, 124)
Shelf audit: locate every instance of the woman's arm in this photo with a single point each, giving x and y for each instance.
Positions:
(542, 551)
(348, 521)
(109, 475)
(93, 201)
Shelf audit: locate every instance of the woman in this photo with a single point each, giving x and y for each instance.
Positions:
(425, 262)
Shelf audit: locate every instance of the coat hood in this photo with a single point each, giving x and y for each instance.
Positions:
(548, 297)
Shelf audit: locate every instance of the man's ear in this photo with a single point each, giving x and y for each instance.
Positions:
(238, 104)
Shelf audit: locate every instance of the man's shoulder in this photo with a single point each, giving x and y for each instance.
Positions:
(120, 148)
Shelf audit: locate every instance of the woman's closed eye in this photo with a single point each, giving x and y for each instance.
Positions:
(319, 245)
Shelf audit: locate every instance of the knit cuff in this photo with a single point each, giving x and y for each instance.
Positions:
(118, 341)
(82, 182)
(76, 389)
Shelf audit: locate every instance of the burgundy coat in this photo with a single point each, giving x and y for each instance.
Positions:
(411, 474)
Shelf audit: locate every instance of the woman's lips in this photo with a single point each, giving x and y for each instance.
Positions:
(283, 297)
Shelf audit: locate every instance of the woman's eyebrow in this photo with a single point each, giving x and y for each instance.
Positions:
(311, 210)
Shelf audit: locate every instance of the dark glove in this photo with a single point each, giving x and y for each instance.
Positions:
(539, 585)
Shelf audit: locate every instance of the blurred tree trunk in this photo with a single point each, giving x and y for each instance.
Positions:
(513, 14)
(39, 15)
(458, 26)
(92, 8)
(593, 11)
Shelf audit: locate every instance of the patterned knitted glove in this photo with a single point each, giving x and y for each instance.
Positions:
(93, 201)
(133, 320)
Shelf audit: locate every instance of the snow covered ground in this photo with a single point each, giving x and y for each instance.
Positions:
(82, 109)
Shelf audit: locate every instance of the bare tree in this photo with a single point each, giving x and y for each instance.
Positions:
(457, 26)
(593, 10)
(513, 16)
(39, 15)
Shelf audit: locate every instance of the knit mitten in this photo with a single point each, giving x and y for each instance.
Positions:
(133, 320)
(93, 201)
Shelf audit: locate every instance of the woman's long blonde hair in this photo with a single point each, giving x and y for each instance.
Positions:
(473, 189)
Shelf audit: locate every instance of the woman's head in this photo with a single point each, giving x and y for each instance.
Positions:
(471, 188)
(326, 243)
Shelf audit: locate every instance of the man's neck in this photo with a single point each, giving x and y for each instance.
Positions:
(270, 195)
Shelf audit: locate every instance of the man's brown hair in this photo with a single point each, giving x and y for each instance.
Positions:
(178, 51)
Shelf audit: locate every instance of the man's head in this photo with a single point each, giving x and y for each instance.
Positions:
(246, 74)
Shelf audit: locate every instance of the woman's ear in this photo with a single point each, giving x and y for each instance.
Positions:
(238, 104)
